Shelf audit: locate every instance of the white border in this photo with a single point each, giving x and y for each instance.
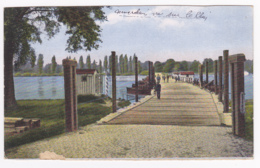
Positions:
(139, 163)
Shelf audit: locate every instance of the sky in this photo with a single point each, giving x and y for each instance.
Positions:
(158, 33)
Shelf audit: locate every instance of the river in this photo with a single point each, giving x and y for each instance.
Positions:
(52, 87)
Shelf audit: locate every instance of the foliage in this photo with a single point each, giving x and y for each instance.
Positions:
(53, 65)
(210, 64)
(123, 103)
(88, 62)
(40, 63)
(121, 62)
(249, 119)
(94, 65)
(139, 67)
(195, 66)
(130, 64)
(184, 66)
(125, 64)
(168, 67)
(105, 64)
(146, 72)
(81, 63)
(100, 67)
(158, 67)
(90, 98)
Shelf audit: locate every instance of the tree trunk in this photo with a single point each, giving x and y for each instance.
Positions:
(9, 95)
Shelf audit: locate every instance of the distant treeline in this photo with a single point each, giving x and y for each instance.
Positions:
(124, 66)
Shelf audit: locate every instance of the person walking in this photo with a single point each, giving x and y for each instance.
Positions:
(158, 90)
(158, 78)
(163, 78)
(168, 78)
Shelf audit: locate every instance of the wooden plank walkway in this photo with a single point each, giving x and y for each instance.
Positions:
(180, 104)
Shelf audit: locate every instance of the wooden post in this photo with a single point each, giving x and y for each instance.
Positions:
(71, 116)
(237, 94)
(150, 74)
(201, 75)
(136, 80)
(220, 78)
(226, 82)
(207, 72)
(216, 76)
(114, 81)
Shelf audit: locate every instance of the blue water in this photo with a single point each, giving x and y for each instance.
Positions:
(52, 87)
(249, 93)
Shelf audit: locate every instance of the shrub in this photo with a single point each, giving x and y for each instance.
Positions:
(90, 98)
(18, 74)
(144, 72)
(124, 103)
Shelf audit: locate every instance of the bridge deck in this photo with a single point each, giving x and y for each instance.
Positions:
(180, 104)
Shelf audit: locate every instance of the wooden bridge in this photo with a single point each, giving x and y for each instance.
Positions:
(180, 104)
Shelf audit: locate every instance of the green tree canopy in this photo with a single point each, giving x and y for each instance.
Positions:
(184, 66)
(81, 63)
(24, 25)
(40, 63)
(53, 64)
(210, 64)
(169, 65)
(105, 63)
(195, 66)
(158, 67)
(88, 62)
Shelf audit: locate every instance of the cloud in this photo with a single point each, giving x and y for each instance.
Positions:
(167, 22)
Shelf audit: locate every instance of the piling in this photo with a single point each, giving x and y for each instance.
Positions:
(220, 78)
(71, 116)
(238, 94)
(207, 72)
(114, 81)
(226, 82)
(201, 75)
(216, 76)
(136, 80)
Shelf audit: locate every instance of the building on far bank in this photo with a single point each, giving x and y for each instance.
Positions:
(88, 81)
(184, 75)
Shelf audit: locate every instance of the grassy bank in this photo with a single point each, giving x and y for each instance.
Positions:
(52, 115)
(249, 119)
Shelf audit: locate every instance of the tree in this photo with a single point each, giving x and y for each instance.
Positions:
(125, 64)
(105, 63)
(94, 65)
(195, 66)
(100, 66)
(117, 70)
(210, 64)
(130, 64)
(88, 62)
(158, 67)
(53, 64)
(110, 63)
(40, 63)
(21, 28)
(168, 67)
(184, 66)
(81, 63)
(121, 62)
(139, 67)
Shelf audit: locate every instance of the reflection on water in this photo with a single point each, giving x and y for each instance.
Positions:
(40, 88)
(53, 88)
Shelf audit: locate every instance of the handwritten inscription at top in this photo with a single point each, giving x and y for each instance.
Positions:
(139, 13)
